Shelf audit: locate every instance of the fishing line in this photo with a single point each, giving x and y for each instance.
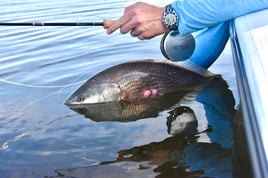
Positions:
(39, 86)
(35, 101)
(74, 82)
(6, 143)
(58, 92)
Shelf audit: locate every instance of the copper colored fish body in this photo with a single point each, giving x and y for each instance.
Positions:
(136, 81)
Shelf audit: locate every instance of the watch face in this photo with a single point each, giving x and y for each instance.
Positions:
(170, 19)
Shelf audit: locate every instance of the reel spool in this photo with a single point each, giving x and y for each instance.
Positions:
(176, 47)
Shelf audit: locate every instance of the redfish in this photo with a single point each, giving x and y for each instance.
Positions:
(138, 81)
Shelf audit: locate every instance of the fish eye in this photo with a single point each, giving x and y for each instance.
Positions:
(80, 99)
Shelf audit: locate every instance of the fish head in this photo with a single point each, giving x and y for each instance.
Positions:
(93, 92)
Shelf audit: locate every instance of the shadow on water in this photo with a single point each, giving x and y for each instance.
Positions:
(122, 111)
(181, 154)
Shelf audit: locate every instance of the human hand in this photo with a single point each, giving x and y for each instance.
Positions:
(143, 20)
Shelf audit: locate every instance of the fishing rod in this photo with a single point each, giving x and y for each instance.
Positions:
(105, 23)
(173, 46)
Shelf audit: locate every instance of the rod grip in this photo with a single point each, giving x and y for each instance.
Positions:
(107, 23)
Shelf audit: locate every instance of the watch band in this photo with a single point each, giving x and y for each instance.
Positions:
(170, 18)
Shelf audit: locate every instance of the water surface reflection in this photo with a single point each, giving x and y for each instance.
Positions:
(43, 65)
(183, 154)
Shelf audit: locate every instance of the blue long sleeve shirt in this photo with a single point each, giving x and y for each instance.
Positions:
(198, 14)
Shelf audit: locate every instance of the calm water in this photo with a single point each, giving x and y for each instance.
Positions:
(41, 66)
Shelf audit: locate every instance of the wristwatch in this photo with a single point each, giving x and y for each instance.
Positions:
(170, 18)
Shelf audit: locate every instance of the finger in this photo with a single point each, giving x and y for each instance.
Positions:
(143, 32)
(137, 31)
(118, 24)
(141, 37)
(122, 21)
(133, 33)
(114, 26)
(129, 26)
(130, 8)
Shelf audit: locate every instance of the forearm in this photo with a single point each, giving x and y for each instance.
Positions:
(198, 14)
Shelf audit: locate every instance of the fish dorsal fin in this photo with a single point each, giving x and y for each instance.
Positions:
(189, 65)
(143, 60)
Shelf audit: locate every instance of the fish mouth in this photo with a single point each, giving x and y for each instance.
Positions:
(74, 99)
(69, 102)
